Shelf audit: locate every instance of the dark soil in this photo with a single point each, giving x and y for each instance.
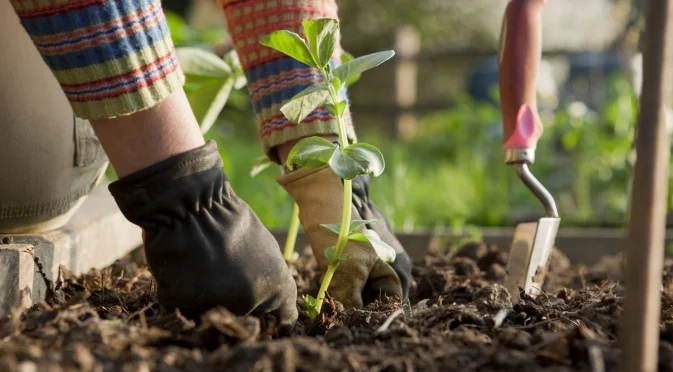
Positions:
(458, 319)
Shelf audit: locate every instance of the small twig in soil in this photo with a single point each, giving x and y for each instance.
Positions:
(537, 324)
(580, 273)
(542, 294)
(141, 311)
(578, 313)
(388, 321)
(500, 317)
(596, 359)
(143, 320)
(121, 302)
(120, 277)
(134, 280)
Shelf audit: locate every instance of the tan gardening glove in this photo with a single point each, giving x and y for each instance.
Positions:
(364, 277)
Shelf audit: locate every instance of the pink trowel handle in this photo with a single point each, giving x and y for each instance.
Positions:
(519, 63)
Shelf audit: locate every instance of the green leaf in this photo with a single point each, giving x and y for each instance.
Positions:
(345, 166)
(333, 227)
(329, 253)
(358, 237)
(361, 64)
(302, 104)
(311, 33)
(211, 35)
(357, 159)
(336, 84)
(290, 44)
(383, 250)
(352, 80)
(353, 227)
(260, 164)
(198, 62)
(180, 31)
(346, 57)
(208, 101)
(311, 152)
(340, 107)
(337, 109)
(232, 60)
(311, 306)
(330, 108)
(367, 156)
(321, 38)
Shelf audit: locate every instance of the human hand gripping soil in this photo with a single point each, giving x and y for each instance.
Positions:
(205, 246)
(323, 187)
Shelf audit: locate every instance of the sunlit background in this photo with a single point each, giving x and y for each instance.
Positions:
(433, 111)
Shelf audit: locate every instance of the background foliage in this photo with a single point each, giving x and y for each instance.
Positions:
(451, 172)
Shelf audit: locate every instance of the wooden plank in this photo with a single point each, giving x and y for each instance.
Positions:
(645, 242)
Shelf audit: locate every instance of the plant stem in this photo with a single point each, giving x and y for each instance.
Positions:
(341, 243)
(334, 95)
(347, 200)
(292, 234)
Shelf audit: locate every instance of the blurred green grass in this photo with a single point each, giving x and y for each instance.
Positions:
(451, 173)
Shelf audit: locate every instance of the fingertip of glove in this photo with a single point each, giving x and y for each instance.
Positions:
(285, 330)
(284, 319)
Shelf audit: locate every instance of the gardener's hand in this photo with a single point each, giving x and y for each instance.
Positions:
(368, 211)
(204, 245)
(362, 278)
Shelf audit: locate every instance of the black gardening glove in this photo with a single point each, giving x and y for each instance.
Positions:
(204, 245)
(368, 211)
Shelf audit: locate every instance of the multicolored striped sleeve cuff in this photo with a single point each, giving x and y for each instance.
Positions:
(111, 57)
(273, 78)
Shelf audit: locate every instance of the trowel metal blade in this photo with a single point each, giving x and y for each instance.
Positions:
(529, 256)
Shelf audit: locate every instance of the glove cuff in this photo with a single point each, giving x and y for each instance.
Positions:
(318, 193)
(171, 188)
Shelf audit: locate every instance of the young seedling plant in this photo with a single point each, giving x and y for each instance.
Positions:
(346, 160)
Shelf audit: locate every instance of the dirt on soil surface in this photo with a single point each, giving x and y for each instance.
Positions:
(458, 318)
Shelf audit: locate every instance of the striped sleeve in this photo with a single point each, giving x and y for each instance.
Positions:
(111, 57)
(273, 78)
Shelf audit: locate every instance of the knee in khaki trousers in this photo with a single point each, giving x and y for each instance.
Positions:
(49, 160)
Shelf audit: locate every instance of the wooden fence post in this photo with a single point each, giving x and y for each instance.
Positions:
(407, 47)
(645, 242)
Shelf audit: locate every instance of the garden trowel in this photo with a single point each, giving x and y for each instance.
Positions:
(519, 61)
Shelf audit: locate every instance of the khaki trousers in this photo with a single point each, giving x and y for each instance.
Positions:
(49, 160)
